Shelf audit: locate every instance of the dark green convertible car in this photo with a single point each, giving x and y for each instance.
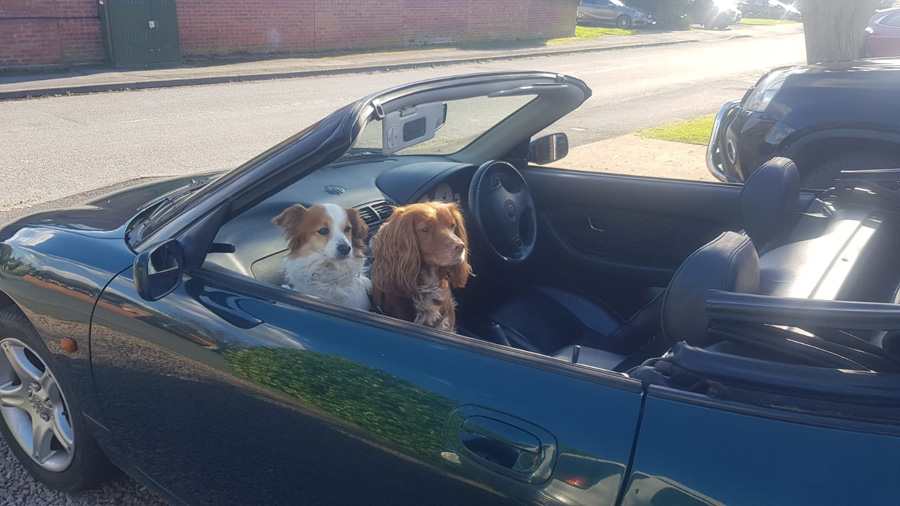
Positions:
(625, 340)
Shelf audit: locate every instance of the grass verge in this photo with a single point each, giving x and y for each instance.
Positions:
(765, 22)
(589, 32)
(695, 131)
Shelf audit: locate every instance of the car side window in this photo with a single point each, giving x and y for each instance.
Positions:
(893, 20)
(653, 152)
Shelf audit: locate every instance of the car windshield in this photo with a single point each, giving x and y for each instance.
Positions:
(466, 120)
(617, 2)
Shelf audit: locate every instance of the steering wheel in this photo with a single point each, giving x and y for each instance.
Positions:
(503, 210)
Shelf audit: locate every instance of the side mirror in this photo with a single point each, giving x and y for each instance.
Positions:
(158, 270)
(548, 148)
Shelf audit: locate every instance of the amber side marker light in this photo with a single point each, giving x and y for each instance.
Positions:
(68, 344)
(576, 481)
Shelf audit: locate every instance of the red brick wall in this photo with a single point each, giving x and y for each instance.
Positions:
(43, 32)
(250, 26)
(40, 32)
(285, 26)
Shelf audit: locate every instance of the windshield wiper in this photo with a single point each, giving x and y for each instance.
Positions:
(354, 152)
(168, 201)
(162, 206)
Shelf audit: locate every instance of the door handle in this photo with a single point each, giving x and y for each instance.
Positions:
(502, 433)
(502, 444)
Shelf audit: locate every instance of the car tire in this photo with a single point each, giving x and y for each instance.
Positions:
(623, 22)
(80, 466)
(824, 175)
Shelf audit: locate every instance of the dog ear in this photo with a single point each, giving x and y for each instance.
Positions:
(396, 251)
(359, 230)
(289, 222)
(460, 274)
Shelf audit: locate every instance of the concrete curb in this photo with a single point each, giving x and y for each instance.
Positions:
(196, 81)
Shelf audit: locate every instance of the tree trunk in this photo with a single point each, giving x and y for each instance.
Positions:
(835, 28)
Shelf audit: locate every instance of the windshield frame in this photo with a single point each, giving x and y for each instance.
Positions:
(326, 141)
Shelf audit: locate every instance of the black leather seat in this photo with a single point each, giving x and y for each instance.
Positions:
(728, 263)
(770, 200)
(546, 319)
(551, 320)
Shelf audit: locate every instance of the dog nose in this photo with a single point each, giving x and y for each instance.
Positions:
(343, 249)
(458, 246)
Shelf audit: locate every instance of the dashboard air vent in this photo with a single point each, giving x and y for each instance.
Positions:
(384, 210)
(369, 215)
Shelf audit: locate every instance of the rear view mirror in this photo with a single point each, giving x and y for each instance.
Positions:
(158, 270)
(548, 148)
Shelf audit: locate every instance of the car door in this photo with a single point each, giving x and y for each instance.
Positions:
(884, 39)
(697, 450)
(606, 11)
(232, 391)
(637, 230)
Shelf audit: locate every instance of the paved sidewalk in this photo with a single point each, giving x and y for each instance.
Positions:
(637, 156)
(97, 79)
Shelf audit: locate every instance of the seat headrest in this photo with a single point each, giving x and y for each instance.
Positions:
(769, 200)
(729, 263)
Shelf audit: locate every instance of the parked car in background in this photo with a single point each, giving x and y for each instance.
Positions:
(718, 14)
(883, 34)
(826, 117)
(769, 9)
(613, 12)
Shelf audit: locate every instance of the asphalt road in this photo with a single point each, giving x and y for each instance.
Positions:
(53, 147)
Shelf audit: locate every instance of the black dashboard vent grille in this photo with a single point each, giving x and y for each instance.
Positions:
(375, 214)
(369, 215)
(384, 210)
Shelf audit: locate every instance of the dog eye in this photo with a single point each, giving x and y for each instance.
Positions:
(323, 231)
(347, 230)
(424, 230)
(453, 226)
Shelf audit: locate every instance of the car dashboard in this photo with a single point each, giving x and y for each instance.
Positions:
(251, 245)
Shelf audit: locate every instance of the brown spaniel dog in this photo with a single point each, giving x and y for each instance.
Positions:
(420, 253)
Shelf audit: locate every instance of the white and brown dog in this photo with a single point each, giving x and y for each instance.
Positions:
(327, 253)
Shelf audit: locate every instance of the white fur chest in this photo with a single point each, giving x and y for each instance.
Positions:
(338, 281)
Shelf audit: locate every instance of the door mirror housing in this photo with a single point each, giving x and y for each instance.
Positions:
(548, 148)
(158, 270)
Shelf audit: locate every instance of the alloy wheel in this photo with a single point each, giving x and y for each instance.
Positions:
(34, 408)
